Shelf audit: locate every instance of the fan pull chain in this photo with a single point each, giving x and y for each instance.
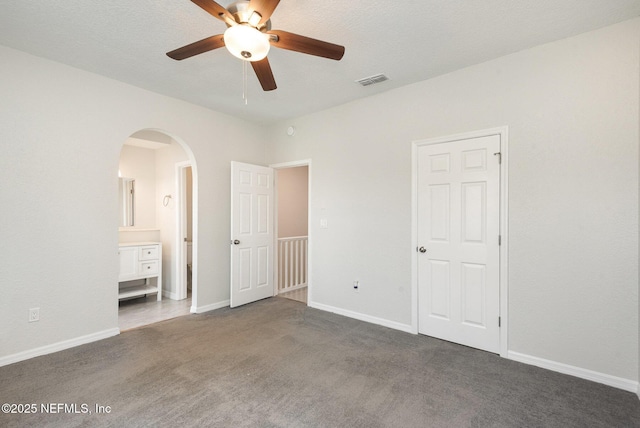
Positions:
(245, 95)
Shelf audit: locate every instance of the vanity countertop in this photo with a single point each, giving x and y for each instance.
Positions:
(136, 244)
(133, 229)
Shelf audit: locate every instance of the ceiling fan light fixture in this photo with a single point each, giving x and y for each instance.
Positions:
(246, 42)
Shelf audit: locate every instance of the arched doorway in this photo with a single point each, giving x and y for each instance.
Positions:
(161, 169)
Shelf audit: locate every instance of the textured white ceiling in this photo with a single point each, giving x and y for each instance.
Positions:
(408, 41)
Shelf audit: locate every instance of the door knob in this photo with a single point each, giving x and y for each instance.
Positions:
(422, 250)
(236, 242)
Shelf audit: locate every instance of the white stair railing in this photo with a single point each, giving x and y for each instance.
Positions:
(292, 263)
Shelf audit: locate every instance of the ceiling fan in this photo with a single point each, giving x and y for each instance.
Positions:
(249, 37)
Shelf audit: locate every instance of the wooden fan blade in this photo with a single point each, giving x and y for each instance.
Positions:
(264, 73)
(215, 9)
(297, 43)
(264, 7)
(201, 46)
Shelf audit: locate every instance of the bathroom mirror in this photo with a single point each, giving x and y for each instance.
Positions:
(126, 194)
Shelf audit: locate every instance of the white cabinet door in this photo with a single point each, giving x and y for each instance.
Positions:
(251, 233)
(458, 232)
(128, 263)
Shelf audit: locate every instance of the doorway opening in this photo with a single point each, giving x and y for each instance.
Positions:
(292, 230)
(154, 277)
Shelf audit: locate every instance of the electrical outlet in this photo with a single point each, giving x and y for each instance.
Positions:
(34, 314)
(356, 285)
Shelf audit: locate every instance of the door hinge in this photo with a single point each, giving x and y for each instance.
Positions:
(499, 321)
(499, 157)
(499, 240)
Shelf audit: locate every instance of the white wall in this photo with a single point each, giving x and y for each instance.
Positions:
(293, 201)
(166, 159)
(572, 108)
(140, 164)
(61, 135)
(189, 202)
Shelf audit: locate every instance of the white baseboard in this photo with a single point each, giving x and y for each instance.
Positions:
(170, 294)
(211, 307)
(59, 346)
(616, 382)
(363, 317)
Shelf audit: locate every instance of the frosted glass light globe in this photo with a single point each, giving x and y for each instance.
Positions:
(246, 43)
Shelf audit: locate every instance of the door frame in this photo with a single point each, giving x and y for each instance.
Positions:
(181, 225)
(284, 165)
(503, 132)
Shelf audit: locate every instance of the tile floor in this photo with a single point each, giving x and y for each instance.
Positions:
(147, 310)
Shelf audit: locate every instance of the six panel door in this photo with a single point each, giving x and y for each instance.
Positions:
(458, 233)
(252, 233)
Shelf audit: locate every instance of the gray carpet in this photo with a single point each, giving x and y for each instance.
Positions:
(277, 363)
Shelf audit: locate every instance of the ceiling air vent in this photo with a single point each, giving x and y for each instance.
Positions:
(372, 80)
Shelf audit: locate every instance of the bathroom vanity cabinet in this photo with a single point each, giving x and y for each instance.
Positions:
(140, 269)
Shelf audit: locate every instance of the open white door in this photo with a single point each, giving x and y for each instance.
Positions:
(251, 233)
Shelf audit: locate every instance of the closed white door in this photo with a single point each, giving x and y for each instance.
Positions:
(251, 233)
(458, 241)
